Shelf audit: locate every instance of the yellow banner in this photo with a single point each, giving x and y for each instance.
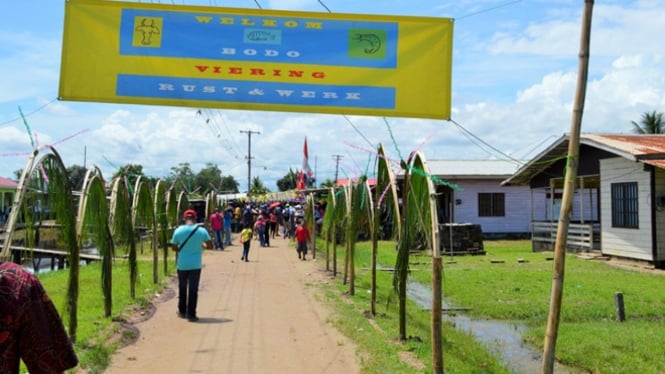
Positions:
(161, 54)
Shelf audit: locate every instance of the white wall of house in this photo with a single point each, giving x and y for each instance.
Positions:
(660, 214)
(583, 199)
(517, 208)
(618, 241)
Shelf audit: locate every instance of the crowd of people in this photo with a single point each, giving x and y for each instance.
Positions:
(33, 331)
(259, 222)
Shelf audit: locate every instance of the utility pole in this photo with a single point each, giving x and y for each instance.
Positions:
(249, 156)
(337, 158)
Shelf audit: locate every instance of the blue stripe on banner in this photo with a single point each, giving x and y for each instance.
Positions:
(259, 39)
(255, 92)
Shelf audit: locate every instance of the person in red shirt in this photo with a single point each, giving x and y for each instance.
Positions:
(217, 225)
(302, 236)
(30, 327)
(273, 223)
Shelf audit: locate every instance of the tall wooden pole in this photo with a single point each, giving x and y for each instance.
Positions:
(568, 193)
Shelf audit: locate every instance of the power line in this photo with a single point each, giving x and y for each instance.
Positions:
(358, 131)
(488, 9)
(324, 5)
(27, 114)
(485, 143)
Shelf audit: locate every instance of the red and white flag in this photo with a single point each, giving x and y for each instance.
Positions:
(300, 181)
(305, 161)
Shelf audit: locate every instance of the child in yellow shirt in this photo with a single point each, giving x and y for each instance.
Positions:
(246, 238)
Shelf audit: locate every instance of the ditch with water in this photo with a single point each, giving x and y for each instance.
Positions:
(503, 338)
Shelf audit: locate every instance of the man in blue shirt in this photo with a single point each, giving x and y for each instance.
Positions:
(188, 241)
(228, 217)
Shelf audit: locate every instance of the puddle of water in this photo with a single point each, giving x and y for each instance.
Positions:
(503, 338)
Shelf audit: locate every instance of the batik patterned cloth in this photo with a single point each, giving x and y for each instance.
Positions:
(30, 327)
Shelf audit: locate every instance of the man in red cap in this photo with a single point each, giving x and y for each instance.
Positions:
(188, 241)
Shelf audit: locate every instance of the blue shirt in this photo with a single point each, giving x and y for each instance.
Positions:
(227, 218)
(190, 257)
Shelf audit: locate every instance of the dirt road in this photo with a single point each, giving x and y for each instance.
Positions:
(259, 316)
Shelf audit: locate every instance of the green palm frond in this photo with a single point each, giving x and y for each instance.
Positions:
(61, 203)
(183, 204)
(650, 123)
(419, 224)
(93, 219)
(142, 217)
(309, 210)
(386, 193)
(19, 201)
(327, 227)
(171, 210)
(162, 221)
(339, 218)
(328, 218)
(122, 229)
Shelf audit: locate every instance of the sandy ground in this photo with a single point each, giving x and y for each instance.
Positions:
(260, 316)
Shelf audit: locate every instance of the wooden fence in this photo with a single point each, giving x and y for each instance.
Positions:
(581, 236)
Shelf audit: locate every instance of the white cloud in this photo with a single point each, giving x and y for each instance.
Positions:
(30, 69)
(514, 82)
(615, 30)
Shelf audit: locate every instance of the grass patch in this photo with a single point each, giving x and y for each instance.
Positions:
(509, 283)
(513, 283)
(94, 330)
(376, 337)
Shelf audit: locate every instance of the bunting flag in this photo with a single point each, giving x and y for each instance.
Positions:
(305, 161)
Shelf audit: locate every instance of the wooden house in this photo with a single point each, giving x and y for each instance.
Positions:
(7, 192)
(470, 191)
(619, 205)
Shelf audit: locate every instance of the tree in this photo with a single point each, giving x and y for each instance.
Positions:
(76, 174)
(287, 182)
(257, 187)
(650, 123)
(210, 177)
(182, 177)
(132, 172)
(328, 183)
(229, 184)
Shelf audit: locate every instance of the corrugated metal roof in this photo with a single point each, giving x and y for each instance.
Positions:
(472, 169)
(649, 149)
(7, 183)
(345, 182)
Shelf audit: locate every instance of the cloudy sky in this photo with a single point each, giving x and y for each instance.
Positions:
(514, 74)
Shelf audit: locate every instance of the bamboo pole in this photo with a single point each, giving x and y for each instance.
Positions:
(568, 191)
(312, 225)
(437, 341)
(16, 207)
(374, 222)
(437, 270)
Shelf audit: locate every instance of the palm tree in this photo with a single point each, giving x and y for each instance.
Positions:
(258, 188)
(328, 183)
(650, 123)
